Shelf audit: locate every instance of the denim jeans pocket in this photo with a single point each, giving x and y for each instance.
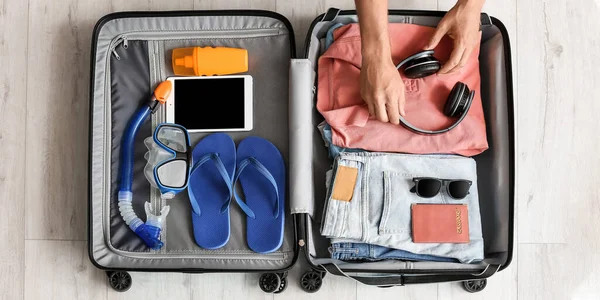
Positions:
(397, 201)
(343, 213)
(395, 216)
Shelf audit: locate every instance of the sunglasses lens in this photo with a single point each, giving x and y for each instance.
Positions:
(172, 174)
(173, 138)
(428, 188)
(459, 189)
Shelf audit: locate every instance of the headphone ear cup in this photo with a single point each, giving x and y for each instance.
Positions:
(422, 67)
(458, 101)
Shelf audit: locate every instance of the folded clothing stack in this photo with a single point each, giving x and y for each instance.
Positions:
(350, 126)
(369, 204)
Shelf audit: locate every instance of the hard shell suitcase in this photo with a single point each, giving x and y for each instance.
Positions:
(131, 54)
(495, 167)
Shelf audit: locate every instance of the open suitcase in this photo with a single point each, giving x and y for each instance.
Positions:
(131, 54)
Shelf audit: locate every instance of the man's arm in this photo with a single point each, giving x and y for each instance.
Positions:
(381, 86)
(373, 17)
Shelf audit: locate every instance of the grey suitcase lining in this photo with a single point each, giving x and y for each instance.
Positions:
(493, 164)
(138, 50)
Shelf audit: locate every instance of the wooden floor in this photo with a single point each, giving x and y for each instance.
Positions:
(44, 62)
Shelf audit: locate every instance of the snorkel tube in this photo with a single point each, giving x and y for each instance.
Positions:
(149, 232)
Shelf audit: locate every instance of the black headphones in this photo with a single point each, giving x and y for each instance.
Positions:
(459, 101)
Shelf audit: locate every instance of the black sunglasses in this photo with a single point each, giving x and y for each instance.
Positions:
(427, 187)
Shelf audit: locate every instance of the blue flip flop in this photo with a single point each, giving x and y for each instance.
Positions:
(261, 173)
(210, 189)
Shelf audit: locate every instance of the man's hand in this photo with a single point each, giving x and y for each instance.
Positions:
(461, 23)
(381, 87)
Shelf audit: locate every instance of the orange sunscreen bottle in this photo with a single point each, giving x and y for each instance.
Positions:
(198, 61)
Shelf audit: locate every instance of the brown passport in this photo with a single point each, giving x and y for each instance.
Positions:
(440, 223)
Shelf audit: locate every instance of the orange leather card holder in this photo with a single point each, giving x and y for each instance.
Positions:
(440, 223)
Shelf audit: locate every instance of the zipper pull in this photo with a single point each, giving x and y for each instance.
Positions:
(116, 54)
(120, 39)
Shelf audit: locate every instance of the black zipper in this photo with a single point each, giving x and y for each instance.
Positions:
(143, 14)
(510, 108)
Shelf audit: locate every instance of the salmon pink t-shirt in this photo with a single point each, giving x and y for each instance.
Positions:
(340, 103)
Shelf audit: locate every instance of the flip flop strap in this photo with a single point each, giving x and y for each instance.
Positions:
(214, 157)
(265, 172)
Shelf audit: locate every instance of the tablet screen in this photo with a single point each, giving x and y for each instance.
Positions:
(209, 103)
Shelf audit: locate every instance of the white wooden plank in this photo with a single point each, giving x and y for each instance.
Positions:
(235, 4)
(227, 286)
(13, 89)
(171, 5)
(333, 287)
(409, 292)
(539, 54)
(155, 286)
(560, 200)
(153, 5)
(501, 286)
(57, 117)
(558, 120)
(61, 270)
(556, 271)
(413, 4)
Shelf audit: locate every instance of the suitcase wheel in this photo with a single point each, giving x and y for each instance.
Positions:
(120, 281)
(271, 283)
(283, 284)
(311, 281)
(474, 286)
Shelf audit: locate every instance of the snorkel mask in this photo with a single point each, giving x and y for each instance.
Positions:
(175, 143)
(169, 158)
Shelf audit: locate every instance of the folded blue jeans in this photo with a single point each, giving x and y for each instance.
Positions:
(379, 211)
(368, 252)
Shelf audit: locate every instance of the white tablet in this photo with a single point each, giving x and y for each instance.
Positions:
(211, 103)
